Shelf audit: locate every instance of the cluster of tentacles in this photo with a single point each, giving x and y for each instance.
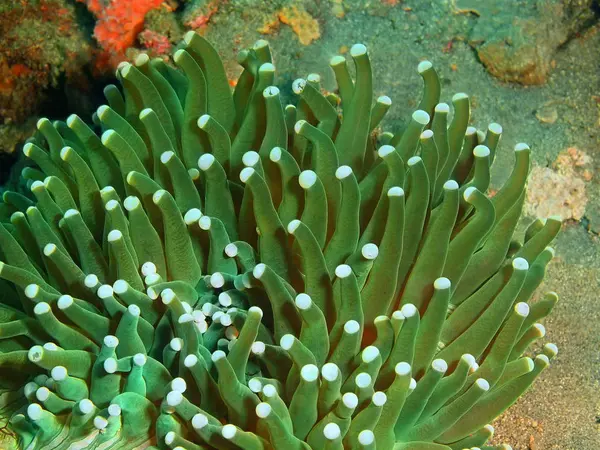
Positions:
(205, 268)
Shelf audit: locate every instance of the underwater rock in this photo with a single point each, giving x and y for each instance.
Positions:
(516, 41)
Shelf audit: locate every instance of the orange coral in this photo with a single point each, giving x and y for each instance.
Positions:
(304, 25)
(119, 21)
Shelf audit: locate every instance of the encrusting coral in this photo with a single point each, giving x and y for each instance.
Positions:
(218, 271)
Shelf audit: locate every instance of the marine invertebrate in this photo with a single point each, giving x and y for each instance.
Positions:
(170, 286)
(119, 22)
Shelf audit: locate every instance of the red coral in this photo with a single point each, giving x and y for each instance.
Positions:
(119, 22)
(202, 19)
(158, 43)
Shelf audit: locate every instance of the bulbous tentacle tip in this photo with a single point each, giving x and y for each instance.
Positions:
(520, 264)
(366, 437)
(550, 350)
(111, 341)
(258, 348)
(330, 372)
(343, 172)
(424, 66)
(384, 100)
(337, 60)
(402, 368)
(369, 354)
(34, 412)
(141, 59)
(229, 431)
(100, 423)
(263, 410)
(266, 68)
(114, 410)
(522, 147)
(110, 365)
(379, 398)
(250, 158)
(332, 431)
(358, 50)
(409, 310)
(459, 96)
(442, 283)
(414, 160)
(481, 151)
(114, 235)
(395, 191)
(59, 373)
(271, 91)
(199, 421)
(421, 117)
(139, 359)
(343, 271)
(287, 341)
(309, 372)
(307, 179)
(275, 154)
(255, 385)
(64, 302)
(246, 173)
(352, 327)
(86, 406)
(369, 251)
(385, 150)
(495, 128)
(41, 308)
(439, 365)
(451, 185)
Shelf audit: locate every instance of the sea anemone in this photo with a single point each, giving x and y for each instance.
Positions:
(213, 270)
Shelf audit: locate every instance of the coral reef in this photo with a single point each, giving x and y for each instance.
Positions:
(41, 43)
(216, 270)
(119, 22)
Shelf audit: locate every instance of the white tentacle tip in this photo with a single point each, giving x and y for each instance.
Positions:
(206, 161)
(343, 172)
(442, 283)
(451, 185)
(402, 368)
(263, 410)
(520, 264)
(469, 192)
(395, 191)
(521, 146)
(424, 66)
(246, 173)
(481, 151)
(482, 384)
(366, 437)
(369, 251)
(293, 226)
(358, 50)
(332, 431)
(309, 373)
(307, 179)
(413, 160)
(421, 117)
